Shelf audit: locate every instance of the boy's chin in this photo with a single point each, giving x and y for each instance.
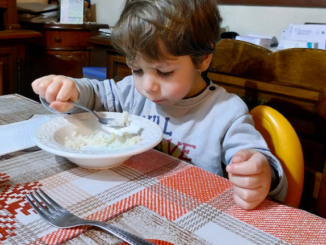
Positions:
(164, 102)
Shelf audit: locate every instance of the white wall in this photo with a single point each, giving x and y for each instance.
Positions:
(242, 19)
(268, 20)
(107, 11)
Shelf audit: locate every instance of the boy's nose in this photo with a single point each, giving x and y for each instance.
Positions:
(150, 85)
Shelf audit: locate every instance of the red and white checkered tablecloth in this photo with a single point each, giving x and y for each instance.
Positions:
(152, 195)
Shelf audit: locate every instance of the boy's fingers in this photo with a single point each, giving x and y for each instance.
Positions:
(246, 168)
(42, 87)
(35, 85)
(255, 165)
(242, 155)
(250, 182)
(244, 204)
(61, 106)
(52, 92)
(38, 83)
(68, 91)
(250, 195)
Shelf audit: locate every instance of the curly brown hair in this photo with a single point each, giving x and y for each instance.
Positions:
(158, 28)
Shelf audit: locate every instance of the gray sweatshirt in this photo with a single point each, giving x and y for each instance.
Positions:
(205, 130)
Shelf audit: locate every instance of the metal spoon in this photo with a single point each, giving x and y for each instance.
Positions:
(112, 122)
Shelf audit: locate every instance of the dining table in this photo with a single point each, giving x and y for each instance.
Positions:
(152, 195)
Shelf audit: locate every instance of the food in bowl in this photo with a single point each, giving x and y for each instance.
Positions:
(125, 137)
(100, 139)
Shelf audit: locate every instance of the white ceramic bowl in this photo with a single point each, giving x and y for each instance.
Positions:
(51, 137)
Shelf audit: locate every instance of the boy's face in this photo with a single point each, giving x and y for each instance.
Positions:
(166, 82)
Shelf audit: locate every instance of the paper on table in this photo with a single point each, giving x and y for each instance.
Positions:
(72, 12)
(20, 135)
(272, 38)
(35, 7)
(284, 36)
(309, 33)
(105, 31)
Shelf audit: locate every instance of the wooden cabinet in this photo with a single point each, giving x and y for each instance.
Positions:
(71, 38)
(63, 50)
(9, 59)
(13, 60)
(1, 77)
(8, 15)
(13, 42)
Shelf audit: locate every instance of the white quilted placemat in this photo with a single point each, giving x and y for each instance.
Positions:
(20, 135)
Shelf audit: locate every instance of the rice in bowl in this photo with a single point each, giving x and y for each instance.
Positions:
(100, 139)
(124, 137)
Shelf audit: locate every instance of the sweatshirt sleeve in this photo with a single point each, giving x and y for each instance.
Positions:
(242, 135)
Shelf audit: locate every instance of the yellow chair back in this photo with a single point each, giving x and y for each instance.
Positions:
(284, 143)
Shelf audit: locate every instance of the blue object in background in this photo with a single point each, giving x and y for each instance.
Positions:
(98, 73)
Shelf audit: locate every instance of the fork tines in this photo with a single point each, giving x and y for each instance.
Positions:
(48, 208)
(53, 213)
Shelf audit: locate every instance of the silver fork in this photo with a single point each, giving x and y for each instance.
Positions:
(112, 122)
(53, 213)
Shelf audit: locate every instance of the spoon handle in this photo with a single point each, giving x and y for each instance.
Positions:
(83, 107)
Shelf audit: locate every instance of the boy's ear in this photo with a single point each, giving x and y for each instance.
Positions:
(206, 62)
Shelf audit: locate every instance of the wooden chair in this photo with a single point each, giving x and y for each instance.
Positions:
(292, 81)
(284, 143)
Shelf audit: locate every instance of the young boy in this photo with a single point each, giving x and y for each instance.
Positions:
(168, 44)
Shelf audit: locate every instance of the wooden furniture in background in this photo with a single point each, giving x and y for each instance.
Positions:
(13, 55)
(103, 54)
(118, 68)
(1, 77)
(292, 81)
(9, 17)
(13, 42)
(63, 50)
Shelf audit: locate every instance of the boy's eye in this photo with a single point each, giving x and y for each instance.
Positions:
(161, 74)
(165, 74)
(137, 72)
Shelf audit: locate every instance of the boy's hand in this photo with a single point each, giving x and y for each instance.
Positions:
(56, 90)
(251, 176)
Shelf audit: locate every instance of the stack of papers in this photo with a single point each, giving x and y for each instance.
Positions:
(308, 36)
(72, 12)
(105, 31)
(36, 8)
(37, 12)
(260, 40)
